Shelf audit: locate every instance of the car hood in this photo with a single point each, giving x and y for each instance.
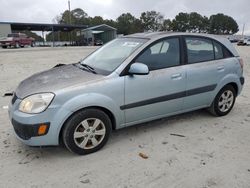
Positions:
(55, 79)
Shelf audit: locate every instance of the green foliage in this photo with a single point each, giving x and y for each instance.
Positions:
(166, 25)
(197, 23)
(222, 24)
(75, 17)
(192, 22)
(181, 22)
(151, 20)
(126, 23)
(97, 20)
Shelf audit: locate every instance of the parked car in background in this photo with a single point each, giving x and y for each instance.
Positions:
(16, 40)
(233, 39)
(248, 42)
(98, 42)
(243, 42)
(130, 80)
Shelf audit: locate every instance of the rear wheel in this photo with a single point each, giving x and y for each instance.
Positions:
(87, 131)
(224, 101)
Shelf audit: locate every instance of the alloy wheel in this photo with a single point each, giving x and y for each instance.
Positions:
(226, 101)
(89, 133)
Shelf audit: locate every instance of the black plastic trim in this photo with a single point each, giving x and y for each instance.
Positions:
(26, 131)
(242, 80)
(170, 97)
(14, 98)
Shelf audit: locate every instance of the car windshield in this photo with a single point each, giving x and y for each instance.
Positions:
(110, 56)
(12, 35)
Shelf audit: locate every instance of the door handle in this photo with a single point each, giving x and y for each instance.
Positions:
(176, 76)
(220, 68)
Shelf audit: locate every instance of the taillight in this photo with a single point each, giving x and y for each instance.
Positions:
(241, 63)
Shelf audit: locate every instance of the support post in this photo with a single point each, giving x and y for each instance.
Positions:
(43, 38)
(53, 37)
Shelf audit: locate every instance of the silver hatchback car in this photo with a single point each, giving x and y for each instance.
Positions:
(132, 79)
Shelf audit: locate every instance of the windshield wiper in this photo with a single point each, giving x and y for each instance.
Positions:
(86, 67)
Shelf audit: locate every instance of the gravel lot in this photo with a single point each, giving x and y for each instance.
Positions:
(215, 152)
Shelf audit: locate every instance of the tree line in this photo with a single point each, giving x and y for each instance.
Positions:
(126, 23)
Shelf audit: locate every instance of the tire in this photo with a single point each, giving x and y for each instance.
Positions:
(4, 47)
(16, 45)
(79, 134)
(224, 101)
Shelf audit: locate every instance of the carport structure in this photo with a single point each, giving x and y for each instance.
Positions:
(103, 32)
(8, 27)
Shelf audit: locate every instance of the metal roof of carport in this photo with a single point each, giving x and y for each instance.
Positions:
(43, 26)
(102, 27)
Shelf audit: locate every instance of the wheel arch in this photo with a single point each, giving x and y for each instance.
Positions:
(235, 86)
(105, 110)
(230, 79)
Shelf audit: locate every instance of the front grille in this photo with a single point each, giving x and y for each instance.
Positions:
(14, 98)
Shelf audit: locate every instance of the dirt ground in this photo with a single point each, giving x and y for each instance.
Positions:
(214, 152)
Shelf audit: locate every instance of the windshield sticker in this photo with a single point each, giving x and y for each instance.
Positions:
(131, 44)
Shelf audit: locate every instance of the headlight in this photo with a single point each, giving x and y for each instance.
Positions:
(36, 103)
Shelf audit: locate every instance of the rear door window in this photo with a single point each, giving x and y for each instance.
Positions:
(199, 49)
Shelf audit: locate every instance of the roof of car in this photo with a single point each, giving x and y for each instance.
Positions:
(152, 35)
(158, 35)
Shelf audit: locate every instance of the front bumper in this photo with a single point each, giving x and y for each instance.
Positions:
(242, 80)
(26, 125)
(25, 132)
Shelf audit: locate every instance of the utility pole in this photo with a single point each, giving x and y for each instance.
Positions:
(243, 31)
(69, 21)
(69, 12)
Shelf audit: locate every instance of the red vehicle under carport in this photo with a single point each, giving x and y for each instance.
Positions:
(16, 40)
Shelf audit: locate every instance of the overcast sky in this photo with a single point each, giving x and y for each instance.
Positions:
(43, 11)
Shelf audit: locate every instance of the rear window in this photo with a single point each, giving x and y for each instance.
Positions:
(218, 51)
(227, 53)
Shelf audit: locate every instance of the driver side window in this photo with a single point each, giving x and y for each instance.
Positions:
(163, 54)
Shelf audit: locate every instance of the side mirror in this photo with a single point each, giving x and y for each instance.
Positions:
(138, 69)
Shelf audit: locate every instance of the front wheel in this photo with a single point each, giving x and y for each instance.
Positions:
(224, 101)
(87, 131)
(16, 45)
